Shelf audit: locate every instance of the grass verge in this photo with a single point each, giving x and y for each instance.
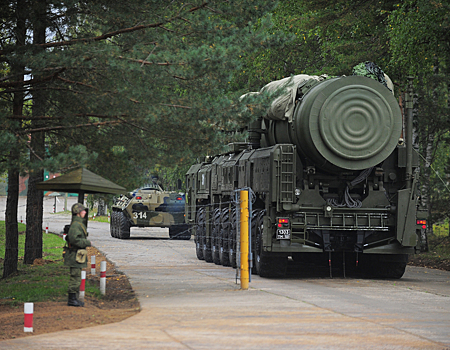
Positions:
(46, 280)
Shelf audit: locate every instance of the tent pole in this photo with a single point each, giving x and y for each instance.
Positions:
(81, 197)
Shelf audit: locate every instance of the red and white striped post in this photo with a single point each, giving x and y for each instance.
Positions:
(28, 317)
(46, 228)
(82, 285)
(64, 236)
(103, 277)
(93, 265)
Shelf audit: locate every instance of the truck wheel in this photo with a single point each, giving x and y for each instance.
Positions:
(198, 234)
(215, 237)
(206, 246)
(232, 246)
(124, 226)
(223, 245)
(380, 266)
(254, 224)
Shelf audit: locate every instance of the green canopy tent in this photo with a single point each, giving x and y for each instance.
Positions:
(80, 181)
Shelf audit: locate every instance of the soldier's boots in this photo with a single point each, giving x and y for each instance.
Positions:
(73, 301)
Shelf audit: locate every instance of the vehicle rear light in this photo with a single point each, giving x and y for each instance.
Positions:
(179, 199)
(423, 223)
(283, 222)
(138, 197)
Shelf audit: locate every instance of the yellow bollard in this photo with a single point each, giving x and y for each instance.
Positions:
(244, 240)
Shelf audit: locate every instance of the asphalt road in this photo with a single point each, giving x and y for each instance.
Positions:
(190, 304)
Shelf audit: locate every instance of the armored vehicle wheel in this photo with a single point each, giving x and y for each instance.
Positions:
(115, 224)
(265, 265)
(216, 237)
(223, 244)
(124, 226)
(180, 232)
(111, 223)
(198, 234)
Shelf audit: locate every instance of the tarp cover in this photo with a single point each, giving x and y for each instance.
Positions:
(283, 106)
(80, 180)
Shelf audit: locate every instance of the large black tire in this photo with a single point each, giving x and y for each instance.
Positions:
(223, 243)
(207, 252)
(115, 224)
(199, 233)
(232, 240)
(216, 237)
(255, 218)
(384, 266)
(124, 226)
(267, 264)
(112, 223)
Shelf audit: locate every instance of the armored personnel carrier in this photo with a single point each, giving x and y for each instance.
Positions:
(149, 206)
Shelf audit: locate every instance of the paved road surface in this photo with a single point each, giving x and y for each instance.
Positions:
(189, 304)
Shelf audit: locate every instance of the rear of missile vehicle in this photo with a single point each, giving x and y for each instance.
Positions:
(149, 206)
(333, 179)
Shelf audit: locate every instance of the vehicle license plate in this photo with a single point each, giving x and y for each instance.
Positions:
(284, 233)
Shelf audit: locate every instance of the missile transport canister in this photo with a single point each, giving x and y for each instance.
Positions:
(149, 206)
(332, 176)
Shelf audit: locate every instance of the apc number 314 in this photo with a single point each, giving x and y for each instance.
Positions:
(140, 215)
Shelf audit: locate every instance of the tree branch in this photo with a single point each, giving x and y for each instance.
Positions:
(24, 117)
(149, 63)
(75, 82)
(32, 81)
(108, 35)
(51, 128)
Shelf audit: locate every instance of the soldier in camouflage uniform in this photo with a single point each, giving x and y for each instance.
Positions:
(75, 255)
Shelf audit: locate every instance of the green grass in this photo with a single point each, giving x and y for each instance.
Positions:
(52, 244)
(33, 283)
(99, 219)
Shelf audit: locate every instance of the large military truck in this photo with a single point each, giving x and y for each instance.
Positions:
(333, 179)
(149, 206)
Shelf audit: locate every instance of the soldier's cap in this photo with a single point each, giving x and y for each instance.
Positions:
(78, 208)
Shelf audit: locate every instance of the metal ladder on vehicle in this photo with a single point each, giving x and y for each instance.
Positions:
(287, 174)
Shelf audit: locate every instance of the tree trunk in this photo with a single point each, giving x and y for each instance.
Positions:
(12, 201)
(33, 243)
(11, 228)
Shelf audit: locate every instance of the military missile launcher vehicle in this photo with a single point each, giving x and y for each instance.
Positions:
(333, 179)
(149, 206)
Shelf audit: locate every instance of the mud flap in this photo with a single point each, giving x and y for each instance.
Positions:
(406, 217)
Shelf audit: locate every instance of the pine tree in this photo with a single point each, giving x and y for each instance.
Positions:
(135, 84)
